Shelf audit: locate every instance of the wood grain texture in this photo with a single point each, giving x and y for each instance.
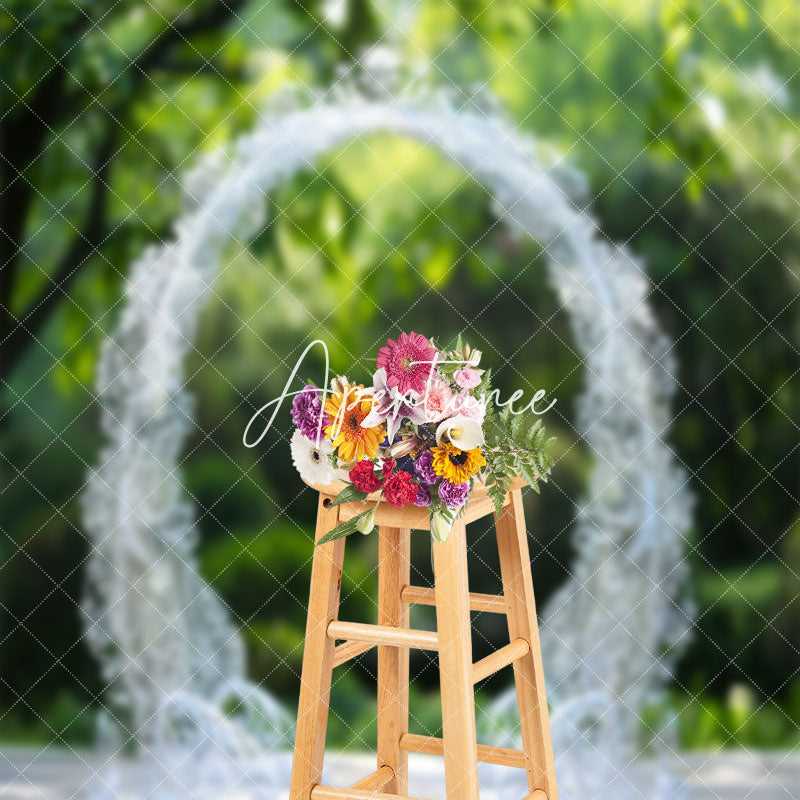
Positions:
(394, 572)
(315, 683)
(422, 595)
(383, 635)
(347, 650)
(478, 488)
(388, 517)
(480, 505)
(432, 745)
(376, 781)
(514, 650)
(331, 793)
(538, 794)
(455, 665)
(515, 569)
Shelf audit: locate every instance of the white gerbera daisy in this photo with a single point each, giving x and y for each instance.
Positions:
(312, 462)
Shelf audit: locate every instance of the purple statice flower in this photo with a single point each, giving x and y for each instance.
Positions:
(423, 466)
(423, 496)
(454, 495)
(307, 410)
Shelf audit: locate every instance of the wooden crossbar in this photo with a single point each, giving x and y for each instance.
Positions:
(383, 634)
(320, 792)
(432, 745)
(513, 651)
(421, 595)
(537, 794)
(375, 781)
(347, 650)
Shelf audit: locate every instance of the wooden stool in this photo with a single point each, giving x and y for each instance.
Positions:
(393, 637)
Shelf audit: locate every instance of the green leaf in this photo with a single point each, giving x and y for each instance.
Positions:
(348, 494)
(345, 529)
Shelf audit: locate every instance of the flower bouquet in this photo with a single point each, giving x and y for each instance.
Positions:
(423, 433)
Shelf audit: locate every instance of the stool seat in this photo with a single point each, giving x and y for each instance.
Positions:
(394, 638)
(479, 505)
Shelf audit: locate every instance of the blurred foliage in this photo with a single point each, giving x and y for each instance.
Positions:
(684, 118)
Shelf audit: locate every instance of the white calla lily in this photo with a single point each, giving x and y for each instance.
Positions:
(463, 432)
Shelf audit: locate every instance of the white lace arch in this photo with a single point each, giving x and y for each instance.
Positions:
(168, 649)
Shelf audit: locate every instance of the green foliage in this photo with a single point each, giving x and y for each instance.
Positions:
(682, 115)
(345, 528)
(739, 719)
(348, 495)
(513, 447)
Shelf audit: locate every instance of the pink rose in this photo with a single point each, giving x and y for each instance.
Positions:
(467, 378)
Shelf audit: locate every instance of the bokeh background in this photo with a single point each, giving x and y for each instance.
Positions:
(683, 116)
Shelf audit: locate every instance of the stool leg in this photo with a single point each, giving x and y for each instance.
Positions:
(455, 665)
(315, 681)
(394, 572)
(515, 568)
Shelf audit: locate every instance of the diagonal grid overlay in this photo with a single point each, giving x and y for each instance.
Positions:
(469, 330)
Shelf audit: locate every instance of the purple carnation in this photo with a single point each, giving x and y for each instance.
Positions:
(454, 495)
(423, 496)
(306, 411)
(423, 466)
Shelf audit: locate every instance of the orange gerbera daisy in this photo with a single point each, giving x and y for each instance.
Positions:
(347, 410)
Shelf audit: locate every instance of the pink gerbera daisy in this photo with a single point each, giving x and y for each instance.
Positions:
(405, 362)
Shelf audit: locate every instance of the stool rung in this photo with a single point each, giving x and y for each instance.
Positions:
(383, 635)
(421, 595)
(344, 652)
(513, 651)
(537, 794)
(320, 792)
(432, 745)
(375, 781)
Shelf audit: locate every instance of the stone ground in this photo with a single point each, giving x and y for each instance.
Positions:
(732, 775)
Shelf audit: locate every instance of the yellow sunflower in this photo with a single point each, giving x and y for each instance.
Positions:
(346, 411)
(457, 466)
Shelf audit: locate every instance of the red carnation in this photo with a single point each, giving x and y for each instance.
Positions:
(388, 467)
(364, 478)
(399, 490)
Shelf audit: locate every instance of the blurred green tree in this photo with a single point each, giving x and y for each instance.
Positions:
(682, 115)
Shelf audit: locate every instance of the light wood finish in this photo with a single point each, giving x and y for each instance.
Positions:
(330, 793)
(383, 635)
(455, 665)
(315, 683)
(392, 635)
(394, 572)
(512, 543)
(480, 505)
(432, 745)
(538, 794)
(500, 658)
(342, 653)
(478, 488)
(421, 595)
(376, 781)
(388, 517)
